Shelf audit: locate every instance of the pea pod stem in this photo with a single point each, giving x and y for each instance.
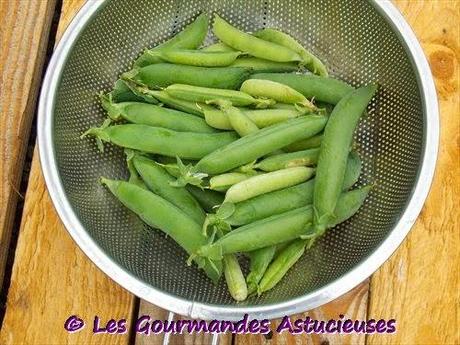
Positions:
(335, 147)
(265, 183)
(254, 46)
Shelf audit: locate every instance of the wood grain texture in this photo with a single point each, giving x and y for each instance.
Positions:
(419, 285)
(24, 38)
(52, 279)
(352, 305)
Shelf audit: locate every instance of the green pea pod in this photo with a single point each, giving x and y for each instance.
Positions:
(134, 176)
(282, 227)
(161, 140)
(254, 46)
(276, 91)
(190, 38)
(161, 214)
(218, 47)
(162, 75)
(205, 95)
(265, 183)
(289, 160)
(258, 65)
(259, 261)
(235, 278)
(323, 89)
(311, 61)
(305, 144)
(238, 120)
(197, 57)
(260, 117)
(123, 93)
(260, 143)
(333, 155)
(208, 199)
(292, 253)
(158, 181)
(155, 116)
(287, 199)
(223, 182)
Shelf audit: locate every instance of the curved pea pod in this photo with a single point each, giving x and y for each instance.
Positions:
(289, 160)
(157, 180)
(190, 38)
(161, 140)
(197, 57)
(218, 47)
(204, 94)
(258, 65)
(287, 199)
(335, 147)
(258, 144)
(265, 183)
(208, 199)
(261, 117)
(223, 182)
(156, 116)
(162, 75)
(238, 120)
(259, 261)
(134, 176)
(288, 256)
(161, 214)
(310, 61)
(283, 227)
(305, 144)
(276, 91)
(254, 46)
(234, 277)
(323, 89)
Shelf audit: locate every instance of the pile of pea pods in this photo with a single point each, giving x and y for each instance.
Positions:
(243, 147)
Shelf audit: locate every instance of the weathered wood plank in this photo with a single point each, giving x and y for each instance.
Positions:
(419, 286)
(24, 38)
(52, 279)
(352, 305)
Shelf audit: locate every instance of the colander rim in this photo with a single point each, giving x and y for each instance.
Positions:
(205, 311)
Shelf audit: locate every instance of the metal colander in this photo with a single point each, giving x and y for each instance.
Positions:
(359, 41)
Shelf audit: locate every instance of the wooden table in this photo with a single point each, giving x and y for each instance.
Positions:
(46, 277)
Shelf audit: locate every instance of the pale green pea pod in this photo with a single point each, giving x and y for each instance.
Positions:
(190, 38)
(161, 214)
(204, 95)
(258, 65)
(241, 123)
(197, 57)
(276, 91)
(259, 261)
(311, 61)
(254, 46)
(223, 182)
(289, 160)
(218, 47)
(260, 117)
(265, 183)
(304, 144)
(234, 277)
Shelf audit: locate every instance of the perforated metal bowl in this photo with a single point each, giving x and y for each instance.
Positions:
(360, 42)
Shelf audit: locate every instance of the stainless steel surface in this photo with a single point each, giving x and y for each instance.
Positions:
(360, 42)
